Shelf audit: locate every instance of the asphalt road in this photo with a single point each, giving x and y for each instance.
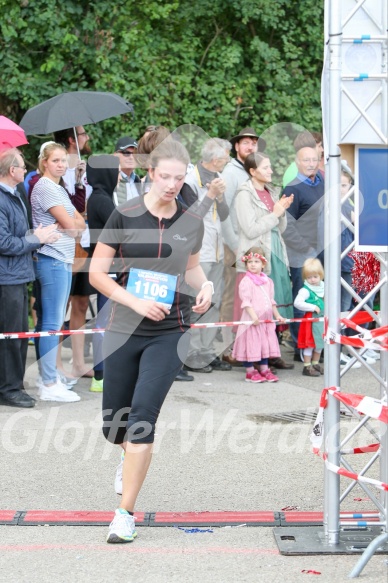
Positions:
(217, 449)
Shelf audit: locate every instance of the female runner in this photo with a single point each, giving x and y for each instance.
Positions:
(155, 242)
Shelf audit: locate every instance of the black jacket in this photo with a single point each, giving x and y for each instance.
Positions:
(102, 174)
(16, 244)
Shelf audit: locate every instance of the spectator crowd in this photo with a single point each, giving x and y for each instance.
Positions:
(261, 252)
(164, 241)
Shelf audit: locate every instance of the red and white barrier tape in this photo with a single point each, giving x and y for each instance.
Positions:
(363, 340)
(329, 335)
(353, 476)
(366, 406)
(373, 447)
(250, 322)
(13, 335)
(375, 408)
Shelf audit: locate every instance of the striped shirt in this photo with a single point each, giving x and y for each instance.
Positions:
(45, 195)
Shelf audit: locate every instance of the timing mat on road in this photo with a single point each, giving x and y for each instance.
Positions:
(220, 518)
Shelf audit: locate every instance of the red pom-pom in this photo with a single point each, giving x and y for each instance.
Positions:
(365, 272)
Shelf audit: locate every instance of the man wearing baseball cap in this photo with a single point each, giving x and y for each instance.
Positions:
(130, 185)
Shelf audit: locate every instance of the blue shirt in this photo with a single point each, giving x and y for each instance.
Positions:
(307, 180)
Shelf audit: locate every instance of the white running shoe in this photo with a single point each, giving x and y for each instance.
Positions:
(119, 476)
(68, 382)
(372, 354)
(344, 359)
(122, 528)
(61, 380)
(58, 393)
(40, 384)
(368, 359)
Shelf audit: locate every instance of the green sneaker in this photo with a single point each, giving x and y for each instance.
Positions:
(97, 386)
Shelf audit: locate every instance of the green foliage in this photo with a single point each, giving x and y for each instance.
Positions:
(221, 65)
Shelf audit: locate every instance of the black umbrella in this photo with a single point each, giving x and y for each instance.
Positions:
(77, 108)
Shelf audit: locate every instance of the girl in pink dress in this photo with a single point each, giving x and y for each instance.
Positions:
(257, 342)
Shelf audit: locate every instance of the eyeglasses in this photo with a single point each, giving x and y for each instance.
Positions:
(307, 160)
(127, 153)
(83, 134)
(17, 166)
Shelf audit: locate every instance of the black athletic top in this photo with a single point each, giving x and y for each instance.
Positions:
(145, 242)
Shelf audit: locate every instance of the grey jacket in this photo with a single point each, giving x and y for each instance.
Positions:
(212, 212)
(255, 223)
(234, 175)
(127, 189)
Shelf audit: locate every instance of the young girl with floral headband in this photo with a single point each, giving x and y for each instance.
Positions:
(257, 342)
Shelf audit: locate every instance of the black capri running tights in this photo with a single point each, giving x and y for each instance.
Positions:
(138, 373)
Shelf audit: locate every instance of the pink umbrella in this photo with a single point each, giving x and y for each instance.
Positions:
(11, 135)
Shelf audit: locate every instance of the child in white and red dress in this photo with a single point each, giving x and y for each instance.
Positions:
(310, 299)
(257, 342)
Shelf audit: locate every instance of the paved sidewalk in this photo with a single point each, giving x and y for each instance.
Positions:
(214, 452)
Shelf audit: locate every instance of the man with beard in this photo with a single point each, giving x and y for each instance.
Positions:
(80, 287)
(234, 174)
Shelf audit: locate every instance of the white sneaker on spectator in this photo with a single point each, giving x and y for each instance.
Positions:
(372, 354)
(344, 359)
(68, 382)
(368, 359)
(39, 384)
(60, 381)
(59, 393)
(119, 475)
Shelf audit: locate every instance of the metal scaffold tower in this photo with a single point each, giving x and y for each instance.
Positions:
(355, 111)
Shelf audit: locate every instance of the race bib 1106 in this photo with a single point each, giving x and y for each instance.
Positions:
(152, 285)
